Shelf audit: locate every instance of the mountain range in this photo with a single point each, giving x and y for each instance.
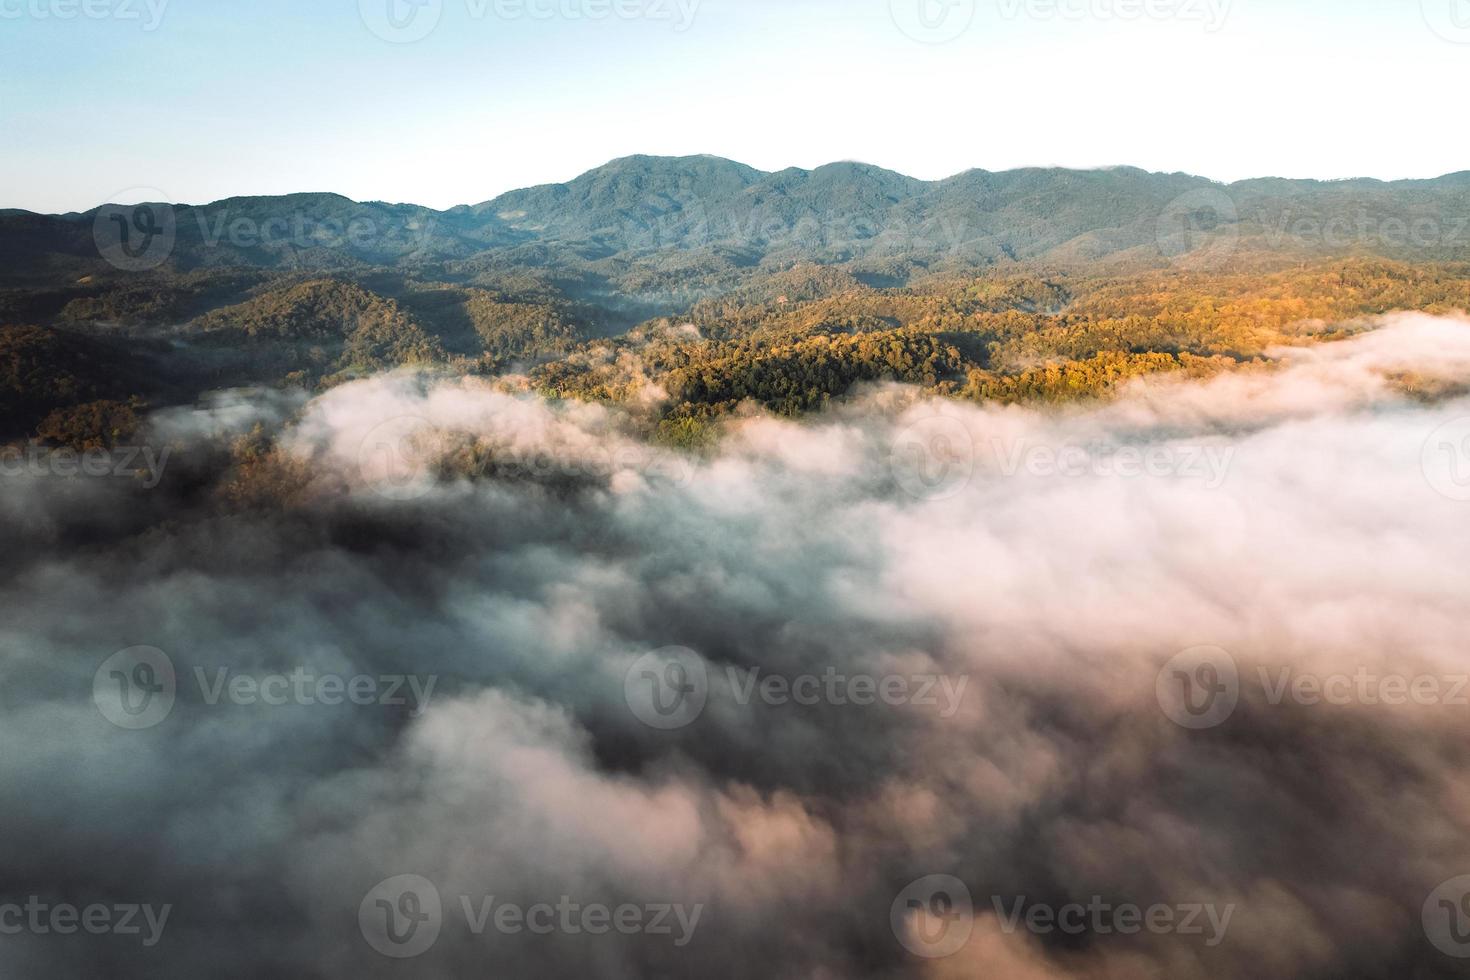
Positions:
(698, 285)
(674, 211)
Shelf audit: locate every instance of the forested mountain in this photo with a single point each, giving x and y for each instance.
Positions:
(691, 287)
(643, 209)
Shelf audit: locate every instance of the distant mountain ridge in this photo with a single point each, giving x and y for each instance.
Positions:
(636, 208)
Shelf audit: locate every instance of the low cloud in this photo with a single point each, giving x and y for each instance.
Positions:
(527, 555)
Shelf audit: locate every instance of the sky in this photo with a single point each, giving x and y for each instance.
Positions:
(445, 102)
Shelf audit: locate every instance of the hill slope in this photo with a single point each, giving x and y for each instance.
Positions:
(648, 209)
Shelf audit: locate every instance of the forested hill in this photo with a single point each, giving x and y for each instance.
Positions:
(668, 213)
(712, 285)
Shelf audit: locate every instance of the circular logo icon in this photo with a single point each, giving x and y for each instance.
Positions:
(932, 21)
(136, 237)
(1446, 917)
(668, 688)
(1446, 459)
(135, 688)
(1199, 687)
(673, 468)
(401, 916)
(934, 458)
(1450, 19)
(1200, 225)
(933, 917)
(401, 21)
(397, 457)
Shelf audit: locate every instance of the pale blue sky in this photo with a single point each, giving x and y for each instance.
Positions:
(226, 97)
